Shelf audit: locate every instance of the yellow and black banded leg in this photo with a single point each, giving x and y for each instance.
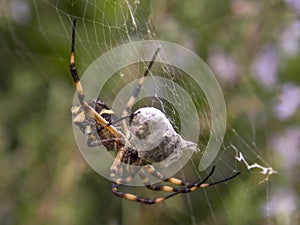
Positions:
(88, 109)
(126, 180)
(193, 186)
(150, 169)
(155, 187)
(190, 188)
(138, 87)
(132, 197)
(136, 198)
(147, 183)
(137, 90)
(116, 166)
(167, 188)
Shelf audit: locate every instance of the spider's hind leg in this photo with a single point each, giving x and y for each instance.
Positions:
(150, 169)
(132, 197)
(188, 187)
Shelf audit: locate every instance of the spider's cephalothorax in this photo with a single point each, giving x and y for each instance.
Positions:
(95, 133)
(149, 138)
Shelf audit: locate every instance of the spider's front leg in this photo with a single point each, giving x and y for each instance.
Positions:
(88, 110)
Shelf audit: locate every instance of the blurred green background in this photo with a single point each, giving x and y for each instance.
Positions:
(253, 48)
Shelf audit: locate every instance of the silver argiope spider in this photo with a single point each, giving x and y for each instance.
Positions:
(97, 121)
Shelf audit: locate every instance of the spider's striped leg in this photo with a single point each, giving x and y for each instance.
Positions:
(115, 169)
(189, 187)
(128, 179)
(132, 197)
(114, 172)
(166, 188)
(88, 109)
(202, 184)
(138, 87)
(137, 90)
(150, 169)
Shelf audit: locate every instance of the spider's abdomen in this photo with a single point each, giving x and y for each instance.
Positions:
(154, 137)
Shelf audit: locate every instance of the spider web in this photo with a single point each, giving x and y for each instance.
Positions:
(251, 143)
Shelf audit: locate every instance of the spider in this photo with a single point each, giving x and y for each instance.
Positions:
(98, 122)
